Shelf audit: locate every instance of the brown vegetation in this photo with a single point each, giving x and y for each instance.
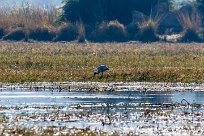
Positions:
(17, 34)
(191, 24)
(158, 62)
(190, 35)
(109, 32)
(41, 34)
(67, 32)
(40, 24)
(147, 32)
(28, 17)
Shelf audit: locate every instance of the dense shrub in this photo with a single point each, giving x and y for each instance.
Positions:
(67, 32)
(88, 30)
(2, 32)
(96, 11)
(200, 6)
(132, 30)
(190, 35)
(147, 32)
(109, 32)
(41, 34)
(16, 35)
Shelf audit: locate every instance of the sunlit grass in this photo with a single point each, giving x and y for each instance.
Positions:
(160, 62)
(28, 16)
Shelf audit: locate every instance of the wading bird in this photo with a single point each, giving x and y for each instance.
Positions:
(101, 69)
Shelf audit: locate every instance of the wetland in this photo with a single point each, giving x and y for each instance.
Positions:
(126, 110)
(49, 89)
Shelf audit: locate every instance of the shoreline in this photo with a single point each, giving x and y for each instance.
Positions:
(102, 86)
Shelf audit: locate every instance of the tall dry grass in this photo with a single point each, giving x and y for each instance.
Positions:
(191, 23)
(81, 32)
(190, 20)
(147, 31)
(28, 16)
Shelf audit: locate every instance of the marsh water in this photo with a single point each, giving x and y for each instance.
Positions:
(114, 111)
(22, 98)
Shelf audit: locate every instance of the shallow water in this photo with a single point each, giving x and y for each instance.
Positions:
(56, 98)
(123, 111)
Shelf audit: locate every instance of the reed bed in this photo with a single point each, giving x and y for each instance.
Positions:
(157, 62)
(28, 16)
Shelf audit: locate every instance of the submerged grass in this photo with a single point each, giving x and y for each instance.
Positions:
(158, 62)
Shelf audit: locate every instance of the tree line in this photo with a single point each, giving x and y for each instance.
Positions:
(96, 11)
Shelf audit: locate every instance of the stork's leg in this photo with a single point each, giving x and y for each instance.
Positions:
(101, 75)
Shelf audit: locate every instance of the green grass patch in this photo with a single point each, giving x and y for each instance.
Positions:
(157, 62)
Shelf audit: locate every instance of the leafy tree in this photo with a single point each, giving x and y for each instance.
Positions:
(200, 5)
(96, 11)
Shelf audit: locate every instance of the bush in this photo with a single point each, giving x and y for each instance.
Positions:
(200, 6)
(147, 32)
(191, 23)
(17, 34)
(190, 20)
(190, 35)
(132, 30)
(41, 34)
(2, 32)
(96, 11)
(88, 31)
(109, 32)
(67, 32)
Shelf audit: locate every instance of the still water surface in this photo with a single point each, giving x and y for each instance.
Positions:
(50, 98)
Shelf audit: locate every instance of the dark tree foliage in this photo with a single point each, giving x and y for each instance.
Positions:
(96, 11)
(200, 5)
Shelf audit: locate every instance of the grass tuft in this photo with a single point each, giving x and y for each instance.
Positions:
(192, 20)
(112, 31)
(190, 35)
(2, 32)
(147, 32)
(81, 33)
(191, 26)
(67, 32)
(41, 34)
(17, 34)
